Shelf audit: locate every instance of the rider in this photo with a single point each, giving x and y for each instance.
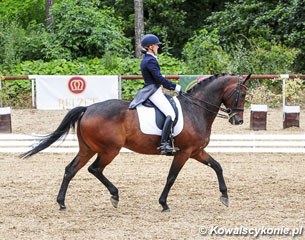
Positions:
(152, 90)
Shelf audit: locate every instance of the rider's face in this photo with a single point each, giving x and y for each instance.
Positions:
(154, 48)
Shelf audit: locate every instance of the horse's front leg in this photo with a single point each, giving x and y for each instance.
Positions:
(177, 164)
(206, 159)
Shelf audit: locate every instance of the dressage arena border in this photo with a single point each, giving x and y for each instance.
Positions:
(219, 143)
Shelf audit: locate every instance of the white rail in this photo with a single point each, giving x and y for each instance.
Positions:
(220, 143)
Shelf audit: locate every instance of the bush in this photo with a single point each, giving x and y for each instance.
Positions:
(204, 55)
(108, 65)
(260, 94)
(80, 29)
(12, 37)
(22, 11)
(261, 57)
(16, 94)
(295, 92)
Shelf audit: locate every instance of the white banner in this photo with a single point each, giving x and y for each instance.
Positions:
(66, 92)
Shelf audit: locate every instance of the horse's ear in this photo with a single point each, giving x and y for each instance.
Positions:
(246, 79)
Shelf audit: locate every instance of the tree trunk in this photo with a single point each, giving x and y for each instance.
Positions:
(49, 4)
(139, 26)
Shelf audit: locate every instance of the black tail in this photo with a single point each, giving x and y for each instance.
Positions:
(60, 133)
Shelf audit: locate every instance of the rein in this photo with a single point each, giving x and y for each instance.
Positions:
(229, 111)
(191, 98)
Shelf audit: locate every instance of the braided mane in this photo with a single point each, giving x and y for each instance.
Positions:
(206, 81)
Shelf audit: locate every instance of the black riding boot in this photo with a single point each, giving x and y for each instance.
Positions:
(165, 147)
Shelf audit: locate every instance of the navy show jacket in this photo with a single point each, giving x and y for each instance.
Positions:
(151, 73)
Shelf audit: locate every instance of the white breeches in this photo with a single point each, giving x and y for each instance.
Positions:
(162, 103)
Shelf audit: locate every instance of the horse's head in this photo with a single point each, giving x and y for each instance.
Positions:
(234, 99)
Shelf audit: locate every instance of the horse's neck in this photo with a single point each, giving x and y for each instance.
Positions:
(211, 93)
(210, 97)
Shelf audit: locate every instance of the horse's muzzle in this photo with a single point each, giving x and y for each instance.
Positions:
(235, 119)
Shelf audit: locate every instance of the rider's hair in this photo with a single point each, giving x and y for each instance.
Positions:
(144, 50)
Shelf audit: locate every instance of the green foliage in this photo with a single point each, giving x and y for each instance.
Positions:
(174, 21)
(108, 65)
(23, 12)
(211, 36)
(246, 18)
(170, 65)
(16, 93)
(293, 90)
(281, 22)
(261, 94)
(11, 43)
(130, 88)
(261, 57)
(204, 55)
(80, 28)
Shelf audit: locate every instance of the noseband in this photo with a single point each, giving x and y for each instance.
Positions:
(230, 111)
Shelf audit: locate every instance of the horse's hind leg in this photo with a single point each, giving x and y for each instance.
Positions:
(97, 168)
(206, 159)
(77, 163)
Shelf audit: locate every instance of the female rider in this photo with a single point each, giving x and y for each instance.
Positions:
(153, 82)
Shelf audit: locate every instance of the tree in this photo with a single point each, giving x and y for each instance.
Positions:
(23, 12)
(49, 4)
(280, 22)
(204, 55)
(82, 29)
(174, 21)
(139, 25)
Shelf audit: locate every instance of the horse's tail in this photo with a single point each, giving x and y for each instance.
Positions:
(60, 133)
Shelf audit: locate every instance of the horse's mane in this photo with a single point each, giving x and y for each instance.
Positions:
(206, 81)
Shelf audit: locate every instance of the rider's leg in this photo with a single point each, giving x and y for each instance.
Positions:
(163, 104)
(165, 146)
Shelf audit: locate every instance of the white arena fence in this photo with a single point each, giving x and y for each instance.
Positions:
(220, 143)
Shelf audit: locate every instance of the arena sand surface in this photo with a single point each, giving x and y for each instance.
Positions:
(265, 190)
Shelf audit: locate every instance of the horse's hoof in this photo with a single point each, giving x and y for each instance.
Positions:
(114, 201)
(224, 201)
(62, 207)
(166, 210)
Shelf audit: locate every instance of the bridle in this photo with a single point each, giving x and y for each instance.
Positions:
(229, 111)
(237, 92)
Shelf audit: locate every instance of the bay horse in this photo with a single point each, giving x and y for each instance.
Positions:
(104, 128)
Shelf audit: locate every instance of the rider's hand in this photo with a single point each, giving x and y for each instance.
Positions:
(177, 88)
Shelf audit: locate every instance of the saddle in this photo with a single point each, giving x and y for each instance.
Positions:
(151, 119)
(160, 117)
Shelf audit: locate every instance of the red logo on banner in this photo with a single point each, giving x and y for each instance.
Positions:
(76, 85)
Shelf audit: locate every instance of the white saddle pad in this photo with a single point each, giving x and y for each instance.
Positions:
(147, 118)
